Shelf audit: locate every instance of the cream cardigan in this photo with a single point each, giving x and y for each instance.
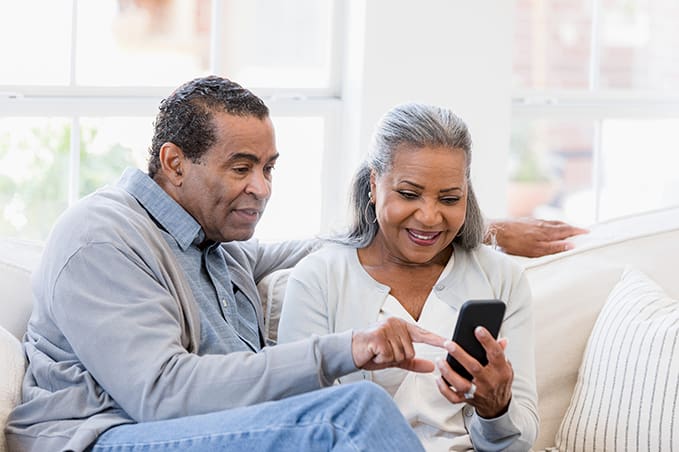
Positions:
(329, 291)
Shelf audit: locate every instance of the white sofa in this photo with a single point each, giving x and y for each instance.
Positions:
(569, 290)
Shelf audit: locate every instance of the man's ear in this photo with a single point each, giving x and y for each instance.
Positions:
(172, 163)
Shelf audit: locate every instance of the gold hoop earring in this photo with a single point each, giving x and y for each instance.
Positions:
(367, 208)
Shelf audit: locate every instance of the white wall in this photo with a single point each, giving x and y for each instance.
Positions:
(454, 53)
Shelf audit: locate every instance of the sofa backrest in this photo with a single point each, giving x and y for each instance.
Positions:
(18, 258)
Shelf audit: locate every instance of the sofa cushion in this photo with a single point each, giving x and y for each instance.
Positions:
(626, 394)
(272, 291)
(18, 258)
(12, 373)
(570, 288)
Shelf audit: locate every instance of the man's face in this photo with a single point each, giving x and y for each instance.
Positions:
(227, 189)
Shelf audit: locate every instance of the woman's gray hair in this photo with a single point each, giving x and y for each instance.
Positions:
(416, 126)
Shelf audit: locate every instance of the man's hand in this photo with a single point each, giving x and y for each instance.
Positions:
(390, 344)
(532, 237)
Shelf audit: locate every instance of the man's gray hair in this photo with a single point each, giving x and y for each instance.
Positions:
(415, 126)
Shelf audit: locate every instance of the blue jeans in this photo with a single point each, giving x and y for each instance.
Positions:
(353, 417)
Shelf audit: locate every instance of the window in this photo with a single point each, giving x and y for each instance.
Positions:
(82, 80)
(596, 108)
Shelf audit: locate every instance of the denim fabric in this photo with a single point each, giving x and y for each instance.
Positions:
(354, 417)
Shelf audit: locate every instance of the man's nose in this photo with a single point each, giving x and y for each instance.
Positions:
(259, 186)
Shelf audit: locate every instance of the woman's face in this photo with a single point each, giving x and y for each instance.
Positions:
(420, 203)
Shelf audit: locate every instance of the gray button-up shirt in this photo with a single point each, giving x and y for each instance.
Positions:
(228, 319)
(128, 323)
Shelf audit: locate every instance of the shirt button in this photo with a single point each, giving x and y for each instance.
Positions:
(468, 411)
(224, 302)
(440, 287)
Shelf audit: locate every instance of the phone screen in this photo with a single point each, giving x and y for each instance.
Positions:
(485, 313)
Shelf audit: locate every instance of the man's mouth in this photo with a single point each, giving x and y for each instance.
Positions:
(250, 213)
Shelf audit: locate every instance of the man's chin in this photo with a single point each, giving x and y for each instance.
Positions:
(239, 235)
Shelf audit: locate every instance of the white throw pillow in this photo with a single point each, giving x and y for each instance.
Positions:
(627, 396)
(12, 374)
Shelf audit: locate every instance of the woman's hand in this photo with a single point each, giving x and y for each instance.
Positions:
(491, 387)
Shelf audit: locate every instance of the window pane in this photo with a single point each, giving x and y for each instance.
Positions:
(123, 43)
(551, 44)
(294, 210)
(35, 42)
(34, 159)
(108, 146)
(551, 170)
(639, 165)
(639, 42)
(277, 44)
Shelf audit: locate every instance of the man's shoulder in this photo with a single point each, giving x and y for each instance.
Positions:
(109, 214)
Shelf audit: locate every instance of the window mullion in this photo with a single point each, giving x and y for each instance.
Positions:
(74, 41)
(74, 162)
(216, 48)
(595, 48)
(594, 86)
(597, 169)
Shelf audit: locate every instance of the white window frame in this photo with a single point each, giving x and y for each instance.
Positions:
(594, 104)
(74, 102)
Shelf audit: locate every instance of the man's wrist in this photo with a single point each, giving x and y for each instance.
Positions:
(491, 236)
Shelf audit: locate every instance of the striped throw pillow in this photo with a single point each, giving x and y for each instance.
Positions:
(627, 397)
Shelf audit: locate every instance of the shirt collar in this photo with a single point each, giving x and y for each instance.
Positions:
(164, 210)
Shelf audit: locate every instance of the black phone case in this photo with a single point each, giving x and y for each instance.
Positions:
(486, 313)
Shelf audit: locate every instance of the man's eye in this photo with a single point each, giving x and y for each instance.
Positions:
(268, 169)
(241, 169)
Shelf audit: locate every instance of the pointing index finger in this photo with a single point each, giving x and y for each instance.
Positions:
(423, 336)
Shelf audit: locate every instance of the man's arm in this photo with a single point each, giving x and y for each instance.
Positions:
(530, 237)
(129, 332)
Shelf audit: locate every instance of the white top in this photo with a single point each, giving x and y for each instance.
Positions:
(432, 416)
(330, 291)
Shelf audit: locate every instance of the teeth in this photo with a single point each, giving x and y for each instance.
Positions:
(423, 236)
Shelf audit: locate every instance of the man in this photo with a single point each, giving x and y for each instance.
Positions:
(146, 329)
(531, 237)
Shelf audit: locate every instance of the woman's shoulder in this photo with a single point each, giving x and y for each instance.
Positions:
(493, 261)
(332, 250)
(329, 254)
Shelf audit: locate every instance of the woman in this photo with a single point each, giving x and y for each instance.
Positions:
(413, 251)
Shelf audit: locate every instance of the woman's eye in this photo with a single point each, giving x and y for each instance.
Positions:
(408, 195)
(450, 201)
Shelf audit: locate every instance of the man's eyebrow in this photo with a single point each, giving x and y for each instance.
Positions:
(251, 157)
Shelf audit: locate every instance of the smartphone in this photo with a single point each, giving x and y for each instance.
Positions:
(485, 313)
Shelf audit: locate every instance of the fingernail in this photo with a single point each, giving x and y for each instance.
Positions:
(450, 346)
(480, 331)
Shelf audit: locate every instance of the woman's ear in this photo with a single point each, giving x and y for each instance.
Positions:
(172, 162)
(372, 182)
